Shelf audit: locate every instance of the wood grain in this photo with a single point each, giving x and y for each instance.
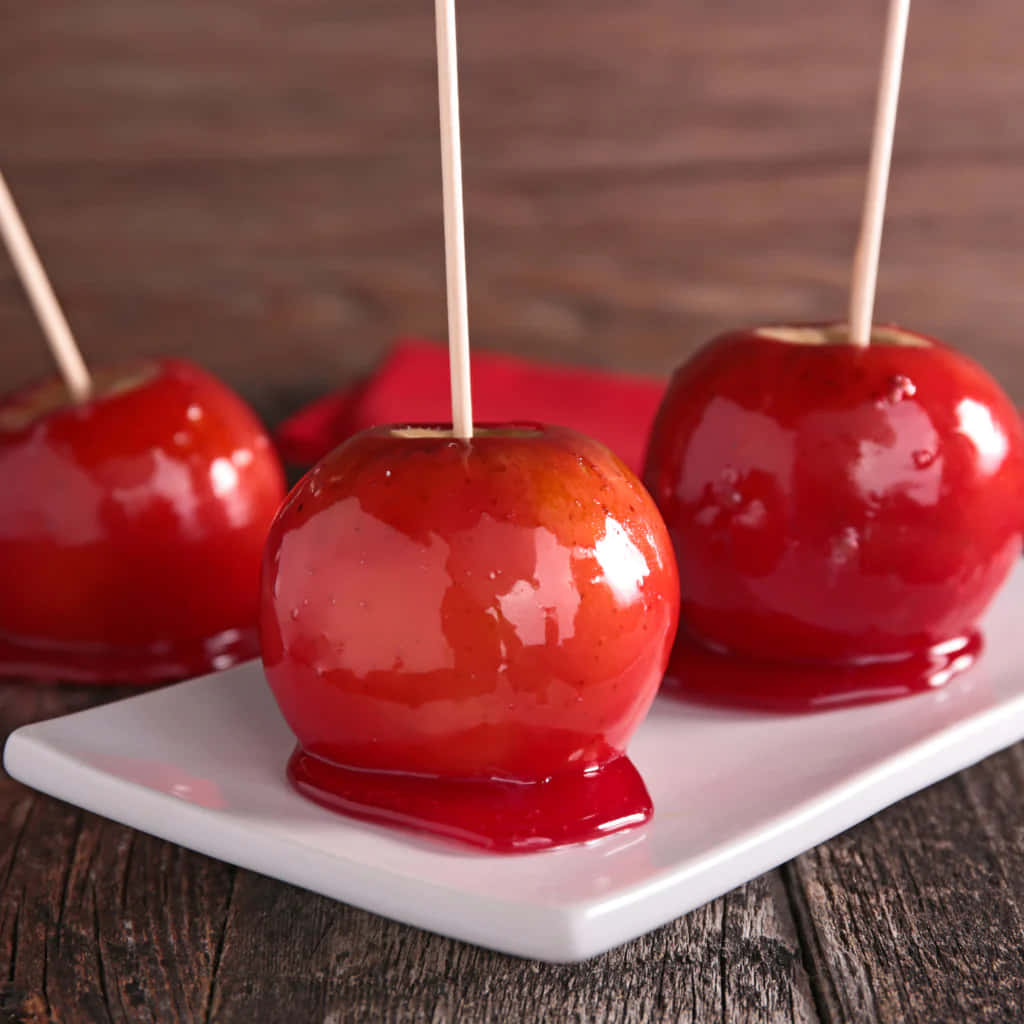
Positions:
(98, 922)
(917, 915)
(735, 959)
(256, 185)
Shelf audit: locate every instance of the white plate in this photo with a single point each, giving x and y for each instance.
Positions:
(735, 793)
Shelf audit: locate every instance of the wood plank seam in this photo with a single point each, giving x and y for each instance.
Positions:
(826, 1002)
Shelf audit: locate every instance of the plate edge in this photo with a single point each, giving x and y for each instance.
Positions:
(546, 933)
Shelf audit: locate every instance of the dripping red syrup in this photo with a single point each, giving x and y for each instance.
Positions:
(708, 675)
(494, 814)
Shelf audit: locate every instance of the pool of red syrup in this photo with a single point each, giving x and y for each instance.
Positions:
(106, 665)
(497, 815)
(700, 673)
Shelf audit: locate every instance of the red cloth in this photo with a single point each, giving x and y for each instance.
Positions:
(411, 386)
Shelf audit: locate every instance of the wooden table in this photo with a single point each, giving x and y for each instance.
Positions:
(256, 185)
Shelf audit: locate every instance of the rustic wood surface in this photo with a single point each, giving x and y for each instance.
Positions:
(256, 185)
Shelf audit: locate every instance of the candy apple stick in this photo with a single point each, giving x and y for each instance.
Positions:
(865, 263)
(48, 312)
(454, 228)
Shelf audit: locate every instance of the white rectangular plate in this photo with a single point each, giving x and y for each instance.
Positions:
(735, 793)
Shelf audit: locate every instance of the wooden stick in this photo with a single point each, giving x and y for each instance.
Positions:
(865, 261)
(454, 228)
(48, 312)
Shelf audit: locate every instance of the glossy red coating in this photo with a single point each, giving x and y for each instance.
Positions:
(132, 527)
(499, 608)
(833, 503)
(497, 815)
(698, 673)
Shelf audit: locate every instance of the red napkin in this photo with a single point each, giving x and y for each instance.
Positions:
(411, 386)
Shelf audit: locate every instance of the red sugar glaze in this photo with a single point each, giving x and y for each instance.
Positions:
(131, 527)
(49, 663)
(497, 815)
(697, 672)
(841, 516)
(500, 608)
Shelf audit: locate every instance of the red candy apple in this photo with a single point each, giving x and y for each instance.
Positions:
(834, 503)
(131, 526)
(464, 611)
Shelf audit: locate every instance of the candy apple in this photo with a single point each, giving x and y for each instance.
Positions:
(131, 526)
(464, 634)
(832, 503)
